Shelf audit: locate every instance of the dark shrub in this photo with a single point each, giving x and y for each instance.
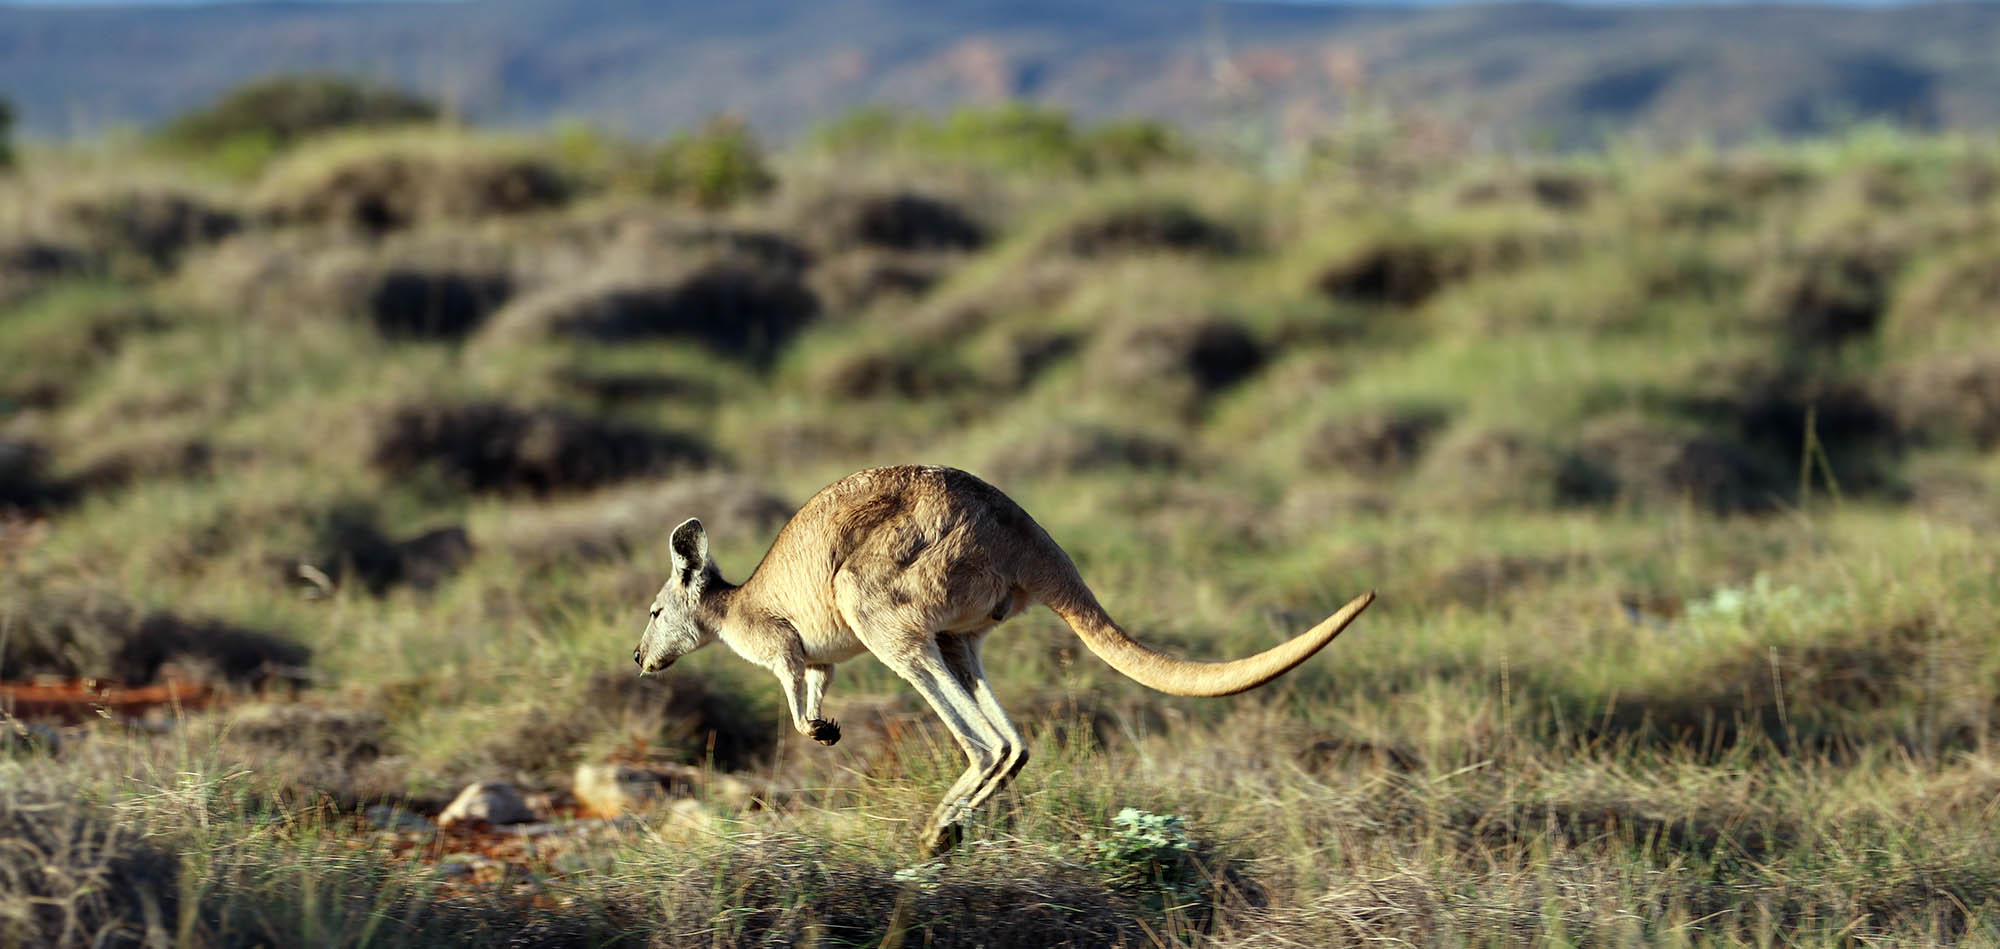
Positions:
(74, 636)
(898, 221)
(1486, 468)
(1825, 296)
(674, 711)
(1766, 412)
(353, 547)
(1211, 353)
(1375, 443)
(1555, 190)
(29, 264)
(6, 134)
(24, 479)
(733, 305)
(281, 110)
(489, 446)
(414, 301)
(1157, 226)
(153, 225)
(1646, 463)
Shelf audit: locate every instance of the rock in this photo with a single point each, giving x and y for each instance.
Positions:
(611, 790)
(494, 802)
(395, 818)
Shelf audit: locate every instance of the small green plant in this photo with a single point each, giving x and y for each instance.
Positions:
(713, 167)
(1147, 851)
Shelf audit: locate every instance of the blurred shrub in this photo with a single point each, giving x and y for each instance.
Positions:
(248, 125)
(494, 447)
(713, 167)
(1015, 136)
(6, 134)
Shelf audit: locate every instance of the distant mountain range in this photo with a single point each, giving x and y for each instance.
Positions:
(1506, 74)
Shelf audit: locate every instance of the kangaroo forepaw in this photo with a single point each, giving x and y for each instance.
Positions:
(939, 841)
(824, 731)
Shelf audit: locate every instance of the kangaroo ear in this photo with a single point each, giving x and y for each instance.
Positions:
(690, 548)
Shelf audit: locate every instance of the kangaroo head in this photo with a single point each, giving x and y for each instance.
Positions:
(679, 625)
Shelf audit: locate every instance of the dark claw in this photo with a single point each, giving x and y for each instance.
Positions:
(943, 840)
(823, 731)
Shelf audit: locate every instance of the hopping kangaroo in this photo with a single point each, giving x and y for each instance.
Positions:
(917, 565)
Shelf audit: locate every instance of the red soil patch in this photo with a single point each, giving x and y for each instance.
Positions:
(80, 700)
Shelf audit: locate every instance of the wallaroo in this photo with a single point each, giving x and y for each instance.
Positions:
(916, 564)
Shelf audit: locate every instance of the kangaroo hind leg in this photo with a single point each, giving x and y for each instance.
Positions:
(961, 656)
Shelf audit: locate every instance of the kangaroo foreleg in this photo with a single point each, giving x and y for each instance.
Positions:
(805, 686)
(821, 729)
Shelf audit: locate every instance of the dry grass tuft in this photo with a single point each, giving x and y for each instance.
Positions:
(1951, 397)
(632, 520)
(71, 875)
(675, 714)
(393, 186)
(1074, 449)
(1474, 468)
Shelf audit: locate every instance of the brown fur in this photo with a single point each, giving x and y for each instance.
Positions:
(916, 564)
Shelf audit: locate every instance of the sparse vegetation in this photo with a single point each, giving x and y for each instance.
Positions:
(712, 167)
(1678, 489)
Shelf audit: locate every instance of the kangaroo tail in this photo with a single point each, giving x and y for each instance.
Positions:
(1078, 607)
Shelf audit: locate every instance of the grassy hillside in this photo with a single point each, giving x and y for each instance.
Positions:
(1677, 475)
(1519, 75)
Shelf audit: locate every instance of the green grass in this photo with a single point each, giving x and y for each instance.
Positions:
(1629, 717)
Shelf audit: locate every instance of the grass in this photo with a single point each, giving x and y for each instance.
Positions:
(1592, 706)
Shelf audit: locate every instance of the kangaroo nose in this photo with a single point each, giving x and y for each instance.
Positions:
(636, 659)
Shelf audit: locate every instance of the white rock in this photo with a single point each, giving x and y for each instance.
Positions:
(495, 802)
